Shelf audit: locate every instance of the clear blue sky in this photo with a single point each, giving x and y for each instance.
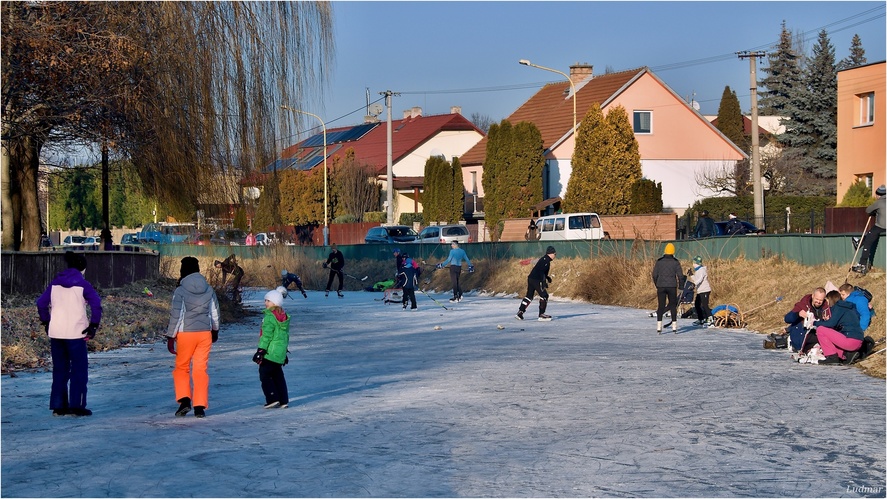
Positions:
(440, 54)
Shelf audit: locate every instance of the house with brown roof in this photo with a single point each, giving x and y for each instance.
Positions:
(414, 139)
(674, 140)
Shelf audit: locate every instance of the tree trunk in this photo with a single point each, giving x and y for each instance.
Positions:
(25, 162)
(8, 241)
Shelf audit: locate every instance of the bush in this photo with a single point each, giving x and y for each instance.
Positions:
(375, 216)
(858, 195)
(409, 218)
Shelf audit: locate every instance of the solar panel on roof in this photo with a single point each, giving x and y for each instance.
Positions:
(346, 135)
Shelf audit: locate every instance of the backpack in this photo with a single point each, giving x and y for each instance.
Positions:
(864, 292)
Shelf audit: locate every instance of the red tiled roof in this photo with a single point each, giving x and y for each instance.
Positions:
(553, 114)
(746, 127)
(406, 135)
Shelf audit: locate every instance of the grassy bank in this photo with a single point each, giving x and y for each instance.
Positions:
(753, 286)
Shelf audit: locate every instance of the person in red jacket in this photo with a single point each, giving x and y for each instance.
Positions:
(62, 309)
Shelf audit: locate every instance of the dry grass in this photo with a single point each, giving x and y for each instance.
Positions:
(753, 286)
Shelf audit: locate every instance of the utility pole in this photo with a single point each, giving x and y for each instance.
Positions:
(758, 191)
(390, 189)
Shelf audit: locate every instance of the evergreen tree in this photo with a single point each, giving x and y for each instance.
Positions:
(81, 209)
(812, 127)
(438, 190)
(856, 57)
(268, 211)
(457, 205)
(606, 164)
(730, 120)
(523, 184)
(783, 77)
(498, 146)
(858, 195)
(646, 197)
(593, 145)
(240, 221)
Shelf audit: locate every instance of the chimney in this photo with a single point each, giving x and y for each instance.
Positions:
(455, 109)
(414, 112)
(580, 72)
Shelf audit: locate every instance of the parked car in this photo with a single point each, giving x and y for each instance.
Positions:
(74, 241)
(391, 234)
(165, 233)
(750, 229)
(199, 239)
(132, 238)
(444, 234)
(570, 226)
(91, 241)
(231, 237)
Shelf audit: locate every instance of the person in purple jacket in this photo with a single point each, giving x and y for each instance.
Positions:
(62, 309)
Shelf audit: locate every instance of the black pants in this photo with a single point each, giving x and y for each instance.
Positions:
(534, 287)
(273, 382)
(333, 274)
(671, 296)
(869, 245)
(409, 295)
(455, 272)
(703, 311)
(70, 366)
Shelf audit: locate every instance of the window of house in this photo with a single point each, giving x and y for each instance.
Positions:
(867, 178)
(866, 108)
(643, 121)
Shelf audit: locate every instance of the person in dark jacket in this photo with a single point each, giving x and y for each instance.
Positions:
(705, 226)
(537, 281)
(870, 238)
(667, 279)
(271, 354)
(398, 260)
(193, 328)
(287, 278)
(734, 226)
(840, 334)
(808, 309)
(62, 310)
(410, 275)
(230, 266)
(335, 262)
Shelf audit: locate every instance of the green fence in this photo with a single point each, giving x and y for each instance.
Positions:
(807, 249)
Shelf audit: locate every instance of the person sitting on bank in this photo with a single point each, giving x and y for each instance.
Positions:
(839, 336)
(813, 305)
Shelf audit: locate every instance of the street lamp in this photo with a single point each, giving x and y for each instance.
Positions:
(525, 62)
(326, 218)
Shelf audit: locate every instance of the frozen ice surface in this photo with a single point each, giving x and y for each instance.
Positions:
(592, 404)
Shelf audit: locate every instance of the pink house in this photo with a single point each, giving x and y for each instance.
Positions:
(676, 142)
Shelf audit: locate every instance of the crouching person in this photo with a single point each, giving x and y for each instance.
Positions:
(809, 308)
(841, 333)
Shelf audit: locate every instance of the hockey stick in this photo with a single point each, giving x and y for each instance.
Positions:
(856, 253)
(778, 299)
(355, 278)
(432, 299)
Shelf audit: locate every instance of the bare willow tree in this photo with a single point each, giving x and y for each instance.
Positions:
(190, 92)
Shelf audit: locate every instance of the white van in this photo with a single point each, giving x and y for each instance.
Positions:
(570, 226)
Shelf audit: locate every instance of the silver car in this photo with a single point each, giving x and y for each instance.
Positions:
(444, 234)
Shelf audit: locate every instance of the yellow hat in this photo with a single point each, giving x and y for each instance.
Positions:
(669, 249)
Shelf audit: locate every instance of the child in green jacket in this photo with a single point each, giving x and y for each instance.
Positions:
(271, 355)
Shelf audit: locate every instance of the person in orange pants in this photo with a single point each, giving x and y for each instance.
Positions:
(193, 328)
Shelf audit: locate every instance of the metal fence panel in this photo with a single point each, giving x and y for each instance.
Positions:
(31, 272)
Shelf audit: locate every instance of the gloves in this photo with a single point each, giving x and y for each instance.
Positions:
(324, 265)
(45, 326)
(286, 360)
(90, 331)
(548, 279)
(259, 356)
(439, 266)
(171, 344)
(689, 272)
(471, 268)
(215, 333)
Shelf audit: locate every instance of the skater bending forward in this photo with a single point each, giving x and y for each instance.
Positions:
(537, 281)
(274, 339)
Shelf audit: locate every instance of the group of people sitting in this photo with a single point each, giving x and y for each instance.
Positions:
(835, 319)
